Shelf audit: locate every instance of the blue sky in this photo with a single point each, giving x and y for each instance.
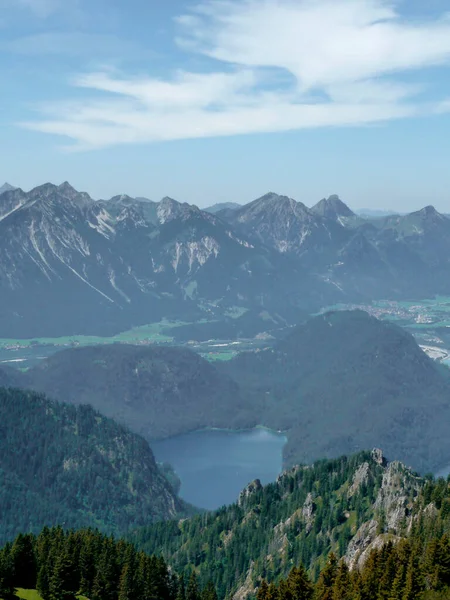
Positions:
(223, 100)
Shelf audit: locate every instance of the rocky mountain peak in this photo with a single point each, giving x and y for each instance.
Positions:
(429, 212)
(6, 187)
(66, 190)
(169, 209)
(332, 208)
(271, 206)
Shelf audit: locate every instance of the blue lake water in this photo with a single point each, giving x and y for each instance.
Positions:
(215, 465)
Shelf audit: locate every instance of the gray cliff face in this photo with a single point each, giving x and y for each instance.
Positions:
(392, 508)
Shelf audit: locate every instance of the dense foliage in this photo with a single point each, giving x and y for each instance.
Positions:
(409, 570)
(157, 391)
(299, 519)
(62, 565)
(61, 464)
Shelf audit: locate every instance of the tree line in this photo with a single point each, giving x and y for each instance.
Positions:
(64, 565)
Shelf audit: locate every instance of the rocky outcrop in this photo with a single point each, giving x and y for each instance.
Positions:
(396, 496)
(392, 508)
(252, 488)
(360, 477)
(308, 512)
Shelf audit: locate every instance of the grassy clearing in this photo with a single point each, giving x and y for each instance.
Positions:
(34, 595)
(145, 333)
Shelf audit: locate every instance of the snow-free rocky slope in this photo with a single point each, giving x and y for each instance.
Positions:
(72, 265)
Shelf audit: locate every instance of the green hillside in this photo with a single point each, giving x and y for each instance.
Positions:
(61, 464)
(345, 381)
(348, 507)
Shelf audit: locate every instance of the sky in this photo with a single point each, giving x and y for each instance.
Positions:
(225, 100)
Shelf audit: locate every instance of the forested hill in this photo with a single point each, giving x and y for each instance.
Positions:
(337, 384)
(68, 465)
(348, 506)
(156, 391)
(345, 381)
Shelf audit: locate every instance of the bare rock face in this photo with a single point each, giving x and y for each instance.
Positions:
(360, 478)
(248, 491)
(392, 507)
(378, 457)
(366, 540)
(308, 512)
(395, 498)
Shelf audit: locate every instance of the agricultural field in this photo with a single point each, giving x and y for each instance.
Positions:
(26, 353)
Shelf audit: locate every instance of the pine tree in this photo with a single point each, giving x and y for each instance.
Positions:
(24, 561)
(414, 583)
(7, 575)
(181, 592)
(209, 592)
(192, 591)
(127, 584)
(325, 583)
(63, 581)
(262, 590)
(342, 583)
(299, 584)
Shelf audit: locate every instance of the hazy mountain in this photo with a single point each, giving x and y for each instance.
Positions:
(215, 208)
(105, 266)
(346, 381)
(69, 465)
(156, 391)
(71, 265)
(6, 187)
(290, 228)
(333, 208)
(338, 383)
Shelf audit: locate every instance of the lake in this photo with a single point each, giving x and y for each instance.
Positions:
(215, 465)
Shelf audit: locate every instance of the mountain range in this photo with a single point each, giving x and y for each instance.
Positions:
(72, 265)
(336, 384)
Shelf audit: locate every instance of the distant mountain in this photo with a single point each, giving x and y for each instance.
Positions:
(345, 381)
(215, 208)
(68, 465)
(156, 391)
(72, 265)
(336, 384)
(332, 208)
(6, 187)
(290, 228)
(102, 267)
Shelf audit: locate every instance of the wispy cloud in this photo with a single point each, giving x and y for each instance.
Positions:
(281, 65)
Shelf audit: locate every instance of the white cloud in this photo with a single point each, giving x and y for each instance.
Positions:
(280, 65)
